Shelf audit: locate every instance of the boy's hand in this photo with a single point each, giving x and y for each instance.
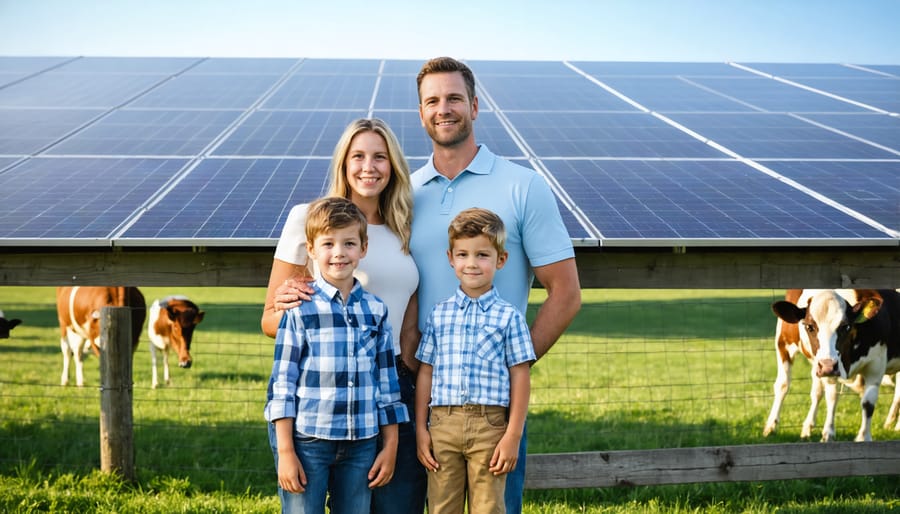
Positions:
(291, 476)
(382, 469)
(506, 454)
(423, 449)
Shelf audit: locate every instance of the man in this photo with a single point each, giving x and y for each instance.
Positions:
(462, 174)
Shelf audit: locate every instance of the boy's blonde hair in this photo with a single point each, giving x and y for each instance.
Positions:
(475, 222)
(332, 213)
(395, 204)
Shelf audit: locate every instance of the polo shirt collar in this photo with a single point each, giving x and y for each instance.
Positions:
(480, 165)
(484, 301)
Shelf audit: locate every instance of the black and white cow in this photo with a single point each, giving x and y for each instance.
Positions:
(848, 335)
(6, 325)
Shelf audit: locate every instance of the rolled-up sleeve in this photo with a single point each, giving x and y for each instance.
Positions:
(391, 409)
(282, 390)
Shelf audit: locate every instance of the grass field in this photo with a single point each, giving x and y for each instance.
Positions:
(637, 369)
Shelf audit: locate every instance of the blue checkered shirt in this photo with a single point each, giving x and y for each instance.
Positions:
(334, 368)
(472, 343)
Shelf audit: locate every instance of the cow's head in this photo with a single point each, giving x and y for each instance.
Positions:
(6, 325)
(184, 316)
(829, 324)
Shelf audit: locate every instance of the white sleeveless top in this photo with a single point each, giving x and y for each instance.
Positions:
(385, 271)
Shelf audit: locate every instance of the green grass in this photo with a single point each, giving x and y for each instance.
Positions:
(637, 369)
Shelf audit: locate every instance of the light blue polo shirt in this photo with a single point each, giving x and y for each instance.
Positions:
(535, 233)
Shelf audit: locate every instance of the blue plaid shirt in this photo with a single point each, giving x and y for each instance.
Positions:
(472, 343)
(334, 368)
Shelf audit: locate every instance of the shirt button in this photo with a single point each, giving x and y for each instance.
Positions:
(449, 189)
(350, 384)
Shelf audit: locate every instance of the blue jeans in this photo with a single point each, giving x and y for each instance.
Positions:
(515, 479)
(405, 493)
(338, 469)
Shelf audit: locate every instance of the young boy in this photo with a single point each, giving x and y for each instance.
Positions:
(476, 352)
(334, 381)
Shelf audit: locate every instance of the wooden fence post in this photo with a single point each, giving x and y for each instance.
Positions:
(116, 422)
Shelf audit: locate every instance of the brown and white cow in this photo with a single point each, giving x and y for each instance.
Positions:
(78, 310)
(171, 326)
(6, 325)
(851, 336)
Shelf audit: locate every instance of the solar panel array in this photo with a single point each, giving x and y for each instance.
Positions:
(214, 152)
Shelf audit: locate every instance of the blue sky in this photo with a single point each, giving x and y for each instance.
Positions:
(853, 31)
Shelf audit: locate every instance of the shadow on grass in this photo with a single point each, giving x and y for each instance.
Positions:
(234, 458)
(234, 377)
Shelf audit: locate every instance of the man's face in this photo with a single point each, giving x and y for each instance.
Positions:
(446, 110)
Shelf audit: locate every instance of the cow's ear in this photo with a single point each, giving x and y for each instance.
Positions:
(199, 317)
(867, 309)
(14, 322)
(787, 311)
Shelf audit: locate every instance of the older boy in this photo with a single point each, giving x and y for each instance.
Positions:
(334, 381)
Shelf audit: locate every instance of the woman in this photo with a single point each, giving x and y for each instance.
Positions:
(370, 170)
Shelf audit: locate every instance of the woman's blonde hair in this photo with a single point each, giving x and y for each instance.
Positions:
(395, 204)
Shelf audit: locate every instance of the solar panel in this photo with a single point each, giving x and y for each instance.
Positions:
(878, 92)
(397, 92)
(25, 131)
(885, 68)
(664, 94)
(324, 92)
(777, 136)
(654, 69)
(59, 199)
(797, 70)
(288, 133)
(870, 188)
(875, 128)
(30, 64)
(769, 95)
(154, 132)
(575, 134)
(69, 90)
(549, 93)
(224, 199)
(716, 202)
(194, 151)
(123, 65)
(237, 91)
(246, 65)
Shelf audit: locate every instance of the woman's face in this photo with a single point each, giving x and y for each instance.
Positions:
(367, 165)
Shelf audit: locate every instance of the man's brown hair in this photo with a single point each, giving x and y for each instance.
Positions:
(446, 65)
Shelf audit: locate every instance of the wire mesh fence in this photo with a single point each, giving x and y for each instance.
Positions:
(637, 369)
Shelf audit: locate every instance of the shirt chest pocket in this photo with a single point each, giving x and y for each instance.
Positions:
(368, 343)
(489, 343)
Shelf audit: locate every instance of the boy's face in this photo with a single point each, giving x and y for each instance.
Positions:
(337, 253)
(475, 260)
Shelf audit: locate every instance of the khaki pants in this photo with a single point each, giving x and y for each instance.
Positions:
(464, 438)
